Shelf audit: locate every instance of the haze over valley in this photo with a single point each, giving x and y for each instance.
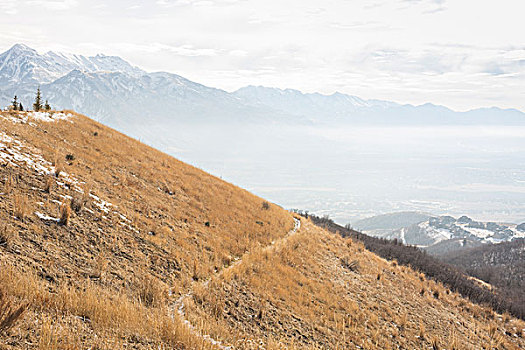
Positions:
(336, 155)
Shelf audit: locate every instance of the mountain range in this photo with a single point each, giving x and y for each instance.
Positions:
(120, 94)
(325, 153)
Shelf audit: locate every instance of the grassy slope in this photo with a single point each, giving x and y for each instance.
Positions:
(306, 293)
(169, 223)
(108, 277)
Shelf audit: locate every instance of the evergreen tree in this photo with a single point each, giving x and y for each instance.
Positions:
(37, 106)
(20, 107)
(15, 104)
(47, 107)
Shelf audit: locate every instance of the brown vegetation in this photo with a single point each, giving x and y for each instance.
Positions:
(112, 246)
(102, 266)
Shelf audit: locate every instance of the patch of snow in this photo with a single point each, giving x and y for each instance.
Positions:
(46, 217)
(50, 117)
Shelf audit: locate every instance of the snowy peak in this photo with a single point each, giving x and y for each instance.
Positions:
(18, 49)
(84, 83)
(23, 65)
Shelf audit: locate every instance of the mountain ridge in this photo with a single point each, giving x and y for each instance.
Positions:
(22, 69)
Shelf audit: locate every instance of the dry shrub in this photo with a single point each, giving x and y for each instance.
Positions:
(422, 330)
(57, 163)
(20, 206)
(352, 265)
(151, 291)
(48, 185)
(80, 200)
(402, 321)
(265, 205)
(65, 213)
(435, 343)
(54, 335)
(6, 234)
(9, 184)
(101, 264)
(9, 314)
(496, 339)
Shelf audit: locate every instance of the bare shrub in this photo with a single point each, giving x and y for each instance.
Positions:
(48, 185)
(265, 205)
(20, 206)
(57, 163)
(436, 294)
(6, 234)
(77, 202)
(9, 314)
(352, 265)
(9, 184)
(65, 213)
(151, 292)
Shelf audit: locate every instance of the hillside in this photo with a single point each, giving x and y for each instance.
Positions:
(112, 244)
(501, 265)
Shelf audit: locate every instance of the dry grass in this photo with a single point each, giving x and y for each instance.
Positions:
(97, 266)
(20, 206)
(49, 184)
(318, 302)
(65, 213)
(9, 313)
(149, 228)
(7, 234)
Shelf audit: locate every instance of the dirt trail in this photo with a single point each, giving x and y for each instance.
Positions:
(179, 306)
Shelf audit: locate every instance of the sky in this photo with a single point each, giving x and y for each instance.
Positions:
(463, 54)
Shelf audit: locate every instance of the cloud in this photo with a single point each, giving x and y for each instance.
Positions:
(432, 6)
(8, 7)
(57, 5)
(369, 25)
(181, 50)
(437, 2)
(203, 3)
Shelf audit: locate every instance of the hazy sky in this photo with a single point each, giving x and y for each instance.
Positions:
(460, 53)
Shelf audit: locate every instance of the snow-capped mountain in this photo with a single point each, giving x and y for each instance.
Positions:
(115, 92)
(22, 69)
(112, 90)
(22, 65)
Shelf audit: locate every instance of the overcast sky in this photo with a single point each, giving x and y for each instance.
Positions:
(459, 53)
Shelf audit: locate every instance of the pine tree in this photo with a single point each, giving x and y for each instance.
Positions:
(15, 104)
(37, 106)
(20, 107)
(47, 107)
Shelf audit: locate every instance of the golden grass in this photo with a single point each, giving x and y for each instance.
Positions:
(105, 270)
(150, 228)
(317, 301)
(20, 206)
(65, 213)
(9, 313)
